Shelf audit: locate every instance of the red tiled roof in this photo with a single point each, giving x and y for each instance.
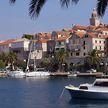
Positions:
(79, 34)
(63, 33)
(80, 27)
(92, 34)
(62, 38)
(92, 27)
(44, 35)
(7, 42)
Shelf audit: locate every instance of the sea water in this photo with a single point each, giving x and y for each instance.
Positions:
(43, 93)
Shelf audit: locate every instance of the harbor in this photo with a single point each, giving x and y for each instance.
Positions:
(43, 93)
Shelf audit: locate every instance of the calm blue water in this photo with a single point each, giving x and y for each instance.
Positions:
(43, 93)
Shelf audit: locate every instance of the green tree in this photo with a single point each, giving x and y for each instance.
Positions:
(12, 58)
(21, 64)
(36, 6)
(61, 58)
(2, 64)
(94, 59)
(45, 63)
(3, 57)
(27, 36)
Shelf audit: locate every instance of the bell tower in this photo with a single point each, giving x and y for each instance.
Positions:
(94, 20)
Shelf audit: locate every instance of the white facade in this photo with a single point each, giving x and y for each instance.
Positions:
(44, 47)
(36, 55)
(80, 47)
(5, 48)
(21, 44)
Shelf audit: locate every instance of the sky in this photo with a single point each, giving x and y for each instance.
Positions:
(15, 20)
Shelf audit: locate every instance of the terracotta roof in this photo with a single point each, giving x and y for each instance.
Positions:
(7, 42)
(92, 34)
(92, 27)
(44, 35)
(80, 27)
(103, 29)
(62, 38)
(63, 33)
(80, 34)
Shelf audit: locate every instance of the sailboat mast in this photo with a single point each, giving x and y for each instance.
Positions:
(29, 56)
(34, 46)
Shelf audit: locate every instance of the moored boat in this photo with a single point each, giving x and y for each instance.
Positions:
(97, 90)
(37, 73)
(16, 73)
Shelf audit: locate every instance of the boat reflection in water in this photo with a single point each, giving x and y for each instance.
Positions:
(97, 90)
(85, 103)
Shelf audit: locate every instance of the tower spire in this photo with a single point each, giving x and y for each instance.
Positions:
(94, 20)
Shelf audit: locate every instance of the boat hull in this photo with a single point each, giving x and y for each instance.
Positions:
(16, 74)
(37, 74)
(86, 94)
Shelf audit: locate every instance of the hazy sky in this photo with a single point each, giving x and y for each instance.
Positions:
(15, 21)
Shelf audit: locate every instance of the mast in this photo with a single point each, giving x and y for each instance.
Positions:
(35, 53)
(29, 55)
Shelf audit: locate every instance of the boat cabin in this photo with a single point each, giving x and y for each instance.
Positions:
(84, 86)
(101, 82)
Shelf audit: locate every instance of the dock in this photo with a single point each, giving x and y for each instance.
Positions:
(95, 74)
(59, 74)
(3, 74)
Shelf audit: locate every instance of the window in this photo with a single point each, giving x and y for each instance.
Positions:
(95, 41)
(71, 54)
(86, 36)
(57, 48)
(84, 47)
(59, 43)
(84, 54)
(62, 43)
(62, 49)
(83, 87)
(83, 42)
(100, 47)
(106, 33)
(103, 84)
(96, 47)
(104, 42)
(77, 54)
(99, 41)
(73, 41)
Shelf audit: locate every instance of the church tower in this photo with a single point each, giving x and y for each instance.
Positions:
(94, 20)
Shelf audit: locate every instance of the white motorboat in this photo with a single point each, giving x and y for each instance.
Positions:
(16, 74)
(97, 90)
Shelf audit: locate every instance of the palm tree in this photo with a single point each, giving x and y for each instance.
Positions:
(101, 7)
(12, 58)
(94, 58)
(61, 58)
(36, 6)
